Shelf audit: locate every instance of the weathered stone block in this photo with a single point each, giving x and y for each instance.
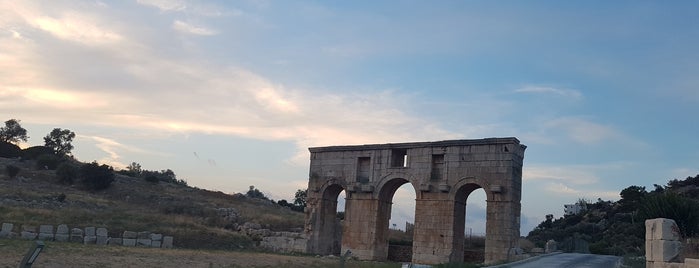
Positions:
(129, 242)
(62, 237)
(62, 229)
(89, 239)
(167, 242)
(46, 236)
(663, 250)
(691, 263)
(129, 235)
(156, 244)
(143, 235)
(115, 241)
(28, 235)
(47, 229)
(101, 240)
(143, 242)
(29, 228)
(156, 237)
(101, 232)
(6, 230)
(662, 229)
(90, 231)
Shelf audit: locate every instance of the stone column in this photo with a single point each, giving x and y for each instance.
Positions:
(322, 226)
(439, 229)
(361, 233)
(662, 242)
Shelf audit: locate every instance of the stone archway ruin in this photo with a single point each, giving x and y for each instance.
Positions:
(443, 173)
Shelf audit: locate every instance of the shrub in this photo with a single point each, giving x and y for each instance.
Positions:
(66, 173)
(9, 150)
(96, 177)
(48, 161)
(152, 179)
(12, 171)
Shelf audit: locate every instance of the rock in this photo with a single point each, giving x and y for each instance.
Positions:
(76, 235)
(46, 236)
(6, 230)
(89, 239)
(143, 242)
(143, 235)
(115, 241)
(101, 240)
(62, 237)
(156, 237)
(252, 225)
(47, 229)
(156, 244)
(551, 246)
(662, 229)
(28, 235)
(28, 228)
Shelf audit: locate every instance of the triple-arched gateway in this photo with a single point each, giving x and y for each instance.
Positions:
(443, 174)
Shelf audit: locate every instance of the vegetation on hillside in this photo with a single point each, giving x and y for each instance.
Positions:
(617, 228)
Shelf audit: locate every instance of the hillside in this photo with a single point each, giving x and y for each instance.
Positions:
(617, 228)
(197, 218)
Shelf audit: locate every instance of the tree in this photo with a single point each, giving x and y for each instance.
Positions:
(300, 198)
(59, 140)
(13, 132)
(255, 193)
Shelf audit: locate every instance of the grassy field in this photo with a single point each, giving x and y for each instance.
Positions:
(57, 254)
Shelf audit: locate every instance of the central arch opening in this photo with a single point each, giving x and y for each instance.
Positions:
(471, 201)
(397, 206)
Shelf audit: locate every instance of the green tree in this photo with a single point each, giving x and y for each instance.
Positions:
(255, 193)
(96, 177)
(134, 168)
(60, 141)
(67, 173)
(13, 132)
(300, 198)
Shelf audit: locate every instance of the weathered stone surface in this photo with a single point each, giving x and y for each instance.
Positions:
(62, 229)
(101, 232)
(28, 228)
(691, 263)
(76, 235)
(370, 171)
(28, 235)
(662, 229)
(89, 239)
(156, 237)
(6, 230)
(115, 241)
(129, 242)
(143, 242)
(156, 244)
(283, 243)
(663, 250)
(47, 229)
(551, 246)
(90, 231)
(129, 235)
(46, 236)
(101, 240)
(143, 235)
(62, 237)
(167, 242)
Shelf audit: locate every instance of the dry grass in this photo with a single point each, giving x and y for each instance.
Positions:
(58, 254)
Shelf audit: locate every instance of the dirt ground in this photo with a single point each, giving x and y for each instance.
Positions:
(57, 254)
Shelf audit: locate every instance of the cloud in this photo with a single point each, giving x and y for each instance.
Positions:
(165, 5)
(113, 148)
(571, 93)
(188, 28)
(584, 131)
(565, 190)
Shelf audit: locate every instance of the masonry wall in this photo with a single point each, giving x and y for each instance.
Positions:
(87, 235)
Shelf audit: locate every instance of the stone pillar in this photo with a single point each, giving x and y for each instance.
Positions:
(101, 236)
(322, 226)
(502, 230)
(90, 235)
(439, 230)
(662, 242)
(167, 241)
(76, 235)
(361, 233)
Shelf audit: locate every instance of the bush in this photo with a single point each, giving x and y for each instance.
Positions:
(96, 177)
(48, 161)
(9, 150)
(66, 173)
(12, 171)
(152, 179)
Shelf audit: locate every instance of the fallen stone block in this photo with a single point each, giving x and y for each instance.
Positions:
(47, 229)
(101, 240)
(29, 228)
(156, 237)
(167, 242)
(90, 231)
(143, 235)
(28, 235)
(129, 242)
(143, 242)
(89, 239)
(62, 237)
(6, 230)
(101, 232)
(46, 236)
(129, 235)
(62, 229)
(156, 244)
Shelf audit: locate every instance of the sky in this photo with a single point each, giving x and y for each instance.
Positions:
(230, 94)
